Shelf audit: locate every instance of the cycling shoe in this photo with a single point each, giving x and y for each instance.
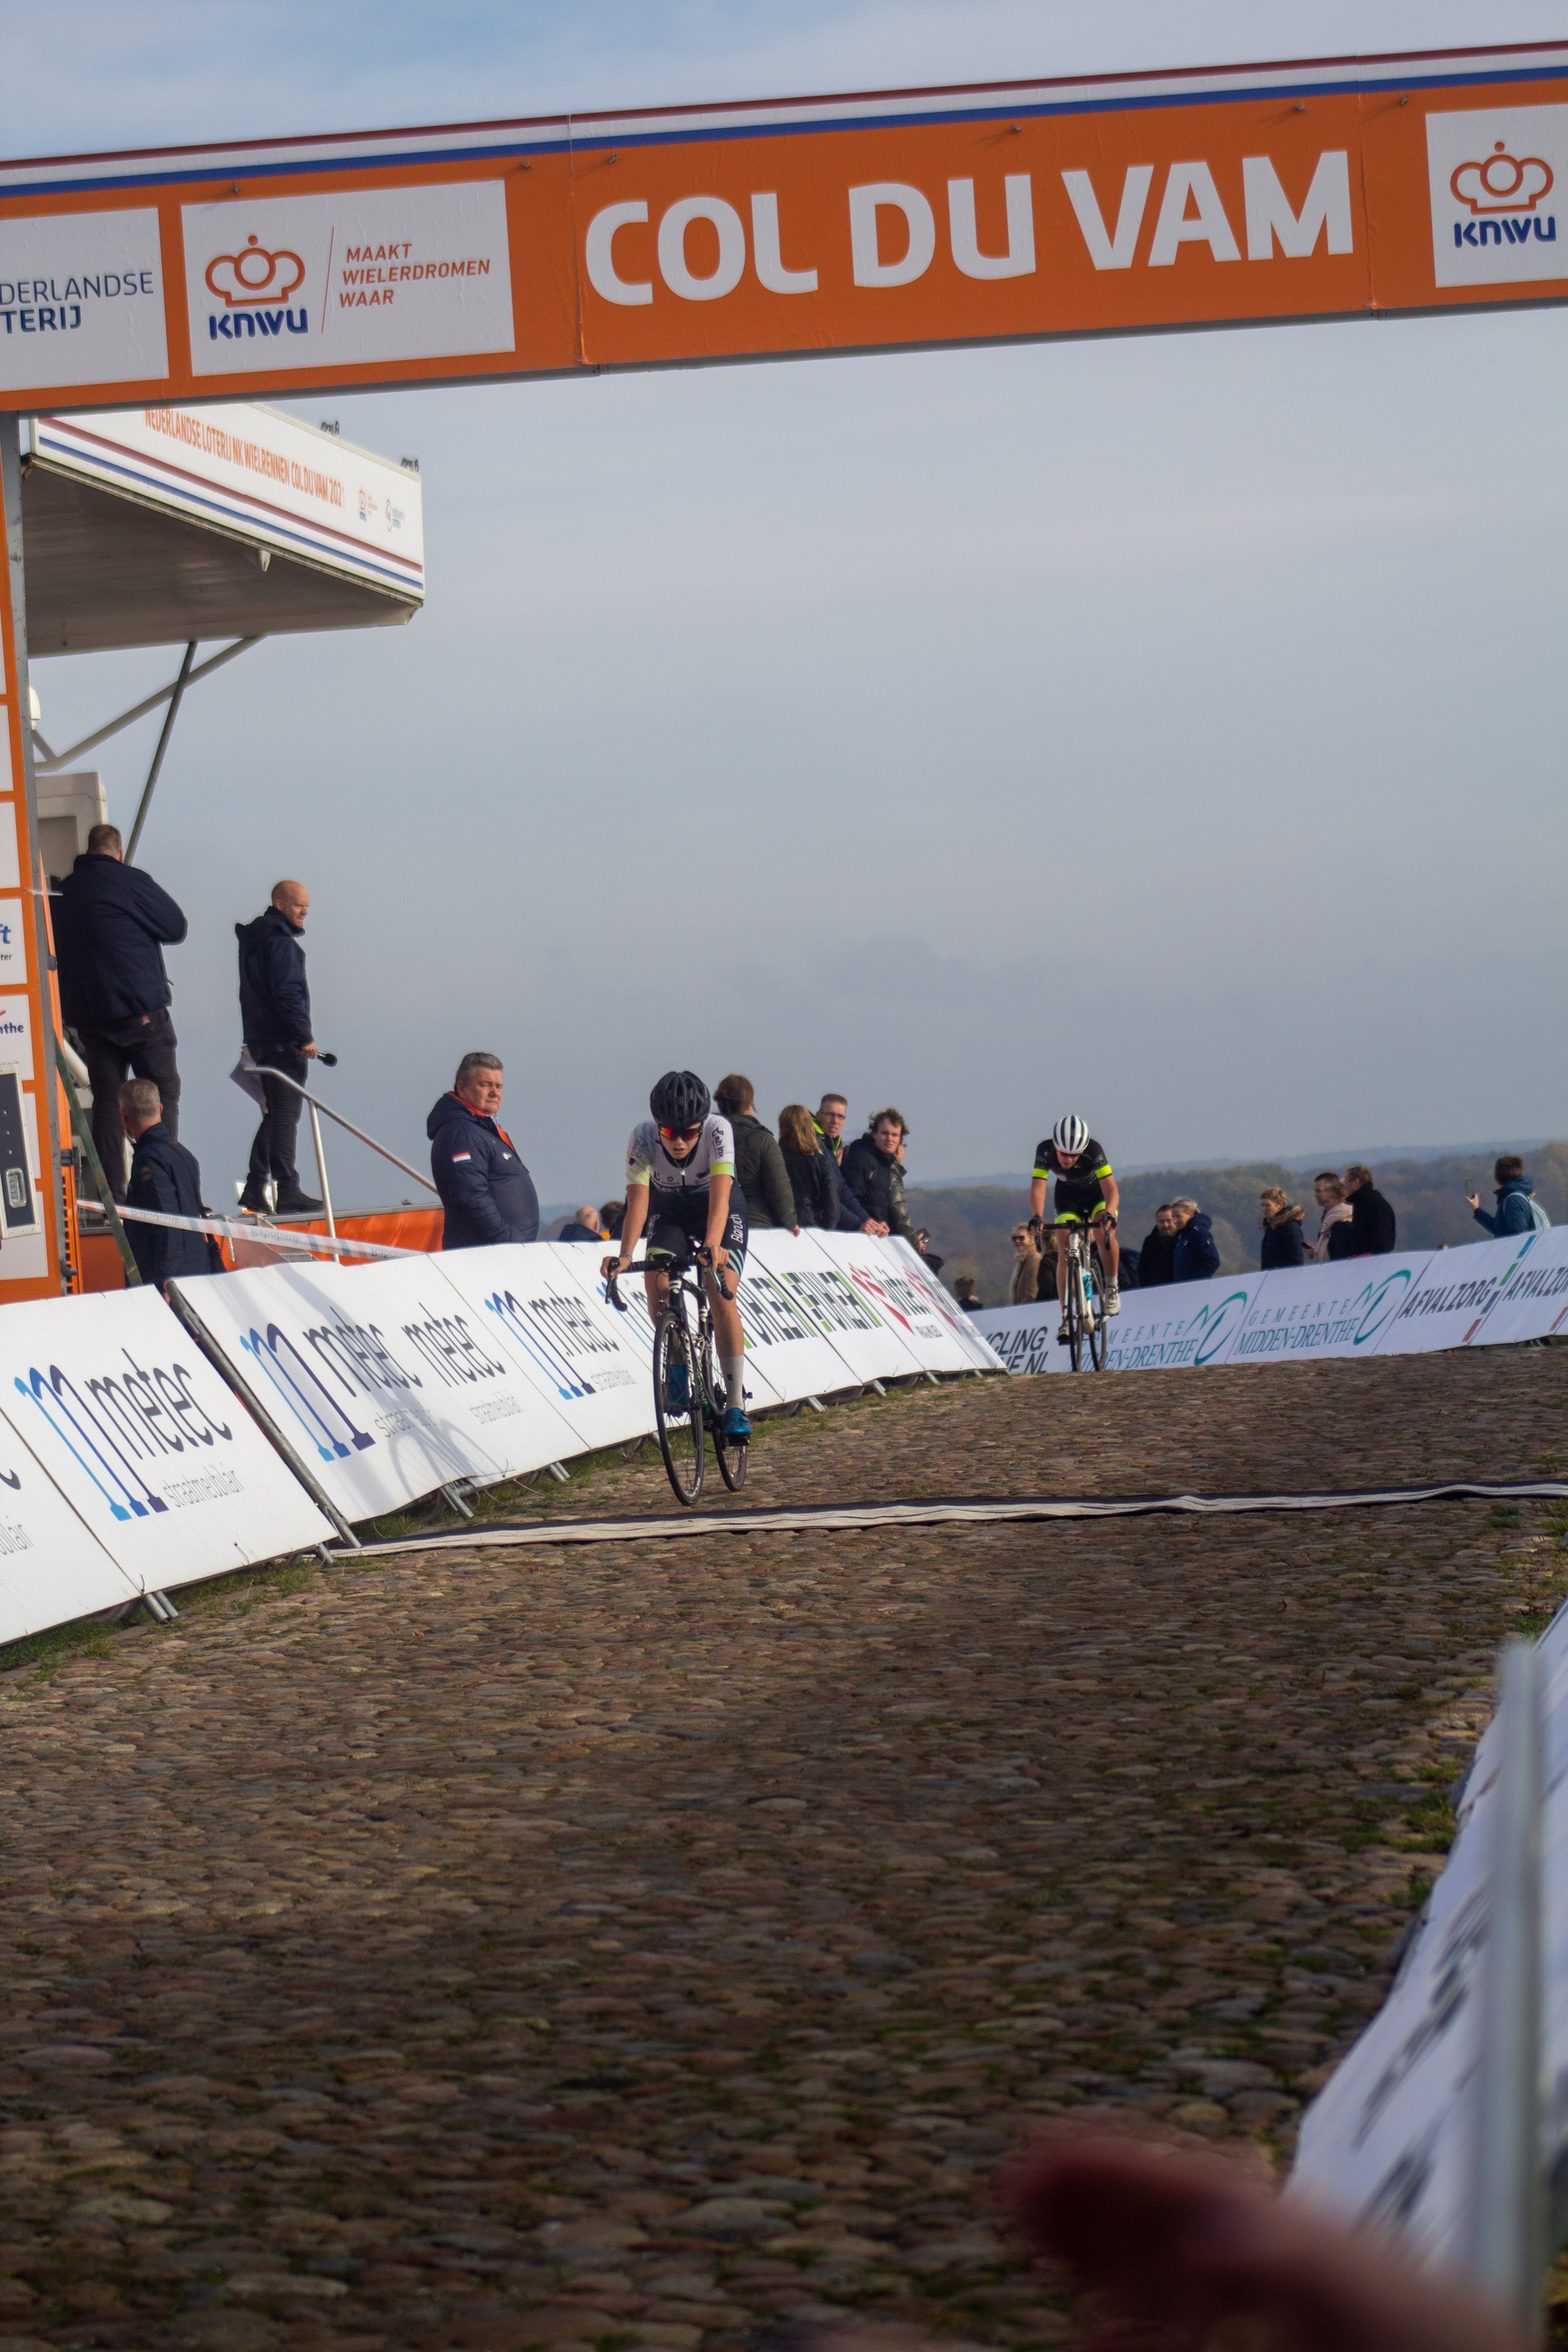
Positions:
(737, 1428)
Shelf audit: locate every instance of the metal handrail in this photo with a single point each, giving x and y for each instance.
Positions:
(264, 1070)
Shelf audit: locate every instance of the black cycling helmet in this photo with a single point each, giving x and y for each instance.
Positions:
(680, 1100)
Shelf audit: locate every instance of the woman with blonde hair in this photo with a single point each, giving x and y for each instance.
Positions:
(1283, 1244)
(1335, 1212)
(805, 1164)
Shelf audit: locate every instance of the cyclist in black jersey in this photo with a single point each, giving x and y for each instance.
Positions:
(1087, 1195)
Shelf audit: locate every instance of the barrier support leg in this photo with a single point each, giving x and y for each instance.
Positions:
(1506, 2254)
(457, 1500)
(816, 1404)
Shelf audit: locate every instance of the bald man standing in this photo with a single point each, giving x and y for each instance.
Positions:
(275, 1013)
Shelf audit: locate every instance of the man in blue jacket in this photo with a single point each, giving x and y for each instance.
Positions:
(1515, 1211)
(486, 1192)
(112, 925)
(275, 1018)
(165, 1177)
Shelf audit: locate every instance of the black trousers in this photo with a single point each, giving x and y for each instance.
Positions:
(141, 1049)
(272, 1153)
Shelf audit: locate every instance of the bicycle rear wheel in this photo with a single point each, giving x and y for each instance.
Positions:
(679, 1424)
(1098, 1339)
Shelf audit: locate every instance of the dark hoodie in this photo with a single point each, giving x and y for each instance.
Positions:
(1283, 1242)
(875, 1181)
(1194, 1256)
(486, 1192)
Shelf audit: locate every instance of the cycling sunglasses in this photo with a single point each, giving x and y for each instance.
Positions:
(680, 1134)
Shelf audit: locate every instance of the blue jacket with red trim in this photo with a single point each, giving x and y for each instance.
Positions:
(486, 1192)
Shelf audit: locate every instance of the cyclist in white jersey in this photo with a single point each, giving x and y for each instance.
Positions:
(681, 1187)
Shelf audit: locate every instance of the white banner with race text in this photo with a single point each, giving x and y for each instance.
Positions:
(146, 1441)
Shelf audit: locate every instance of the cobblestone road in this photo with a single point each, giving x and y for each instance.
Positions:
(638, 1945)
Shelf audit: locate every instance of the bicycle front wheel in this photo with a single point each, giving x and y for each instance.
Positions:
(678, 1404)
(1099, 1340)
(730, 1455)
(1073, 1310)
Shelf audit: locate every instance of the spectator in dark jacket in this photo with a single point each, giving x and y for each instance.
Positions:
(831, 1114)
(275, 1019)
(1194, 1256)
(871, 1171)
(812, 1175)
(612, 1216)
(1283, 1242)
(963, 1291)
(112, 925)
(1513, 1214)
(759, 1169)
(1372, 1217)
(164, 1177)
(583, 1227)
(486, 1192)
(1157, 1258)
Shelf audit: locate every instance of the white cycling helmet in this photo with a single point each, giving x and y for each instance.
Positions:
(1069, 1134)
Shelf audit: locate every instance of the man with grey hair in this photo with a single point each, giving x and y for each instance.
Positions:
(486, 1192)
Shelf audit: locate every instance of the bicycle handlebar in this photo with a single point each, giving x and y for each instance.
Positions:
(702, 1256)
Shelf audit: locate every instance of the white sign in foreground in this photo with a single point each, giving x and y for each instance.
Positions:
(153, 1450)
(538, 1305)
(51, 1567)
(383, 1382)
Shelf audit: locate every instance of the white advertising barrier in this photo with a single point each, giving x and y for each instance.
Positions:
(1182, 1323)
(1327, 1310)
(543, 1302)
(381, 1381)
(1024, 1338)
(143, 1437)
(1393, 2140)
(785, 1328)
(944, 1310)
(1454, 1300)
(887, 1274)
(1532, 1300)
(51, 1567)
(853, 1312)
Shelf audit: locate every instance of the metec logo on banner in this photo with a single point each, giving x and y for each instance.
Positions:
(559, 1335)
(122, 1430)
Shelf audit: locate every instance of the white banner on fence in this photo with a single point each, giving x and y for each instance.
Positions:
(1452, 1303)
(814, 1273)
(1327, 1310)
(879, 1271)
(51, 1566)
(384, 1381)
(875, 1343)
(785, 1327)
(146, 1441)
(1024, 1338)
(545, 1304)
(1194, 1323)
(1531, 1301)
(944, 1308)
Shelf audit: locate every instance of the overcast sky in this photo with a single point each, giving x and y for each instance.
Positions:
(1169, 730)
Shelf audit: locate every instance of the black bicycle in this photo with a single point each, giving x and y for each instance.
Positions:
(689, 1399)
(1083, 1298)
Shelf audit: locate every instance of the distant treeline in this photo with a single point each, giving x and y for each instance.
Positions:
(970, 1223)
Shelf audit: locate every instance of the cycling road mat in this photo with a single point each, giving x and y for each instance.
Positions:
(936, 1511)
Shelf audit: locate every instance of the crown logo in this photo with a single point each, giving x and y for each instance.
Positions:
(1503, 183)
(257, 276)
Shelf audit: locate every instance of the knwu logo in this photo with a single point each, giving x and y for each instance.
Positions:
(254, 286)
(1491, 178)
(1502, 194)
